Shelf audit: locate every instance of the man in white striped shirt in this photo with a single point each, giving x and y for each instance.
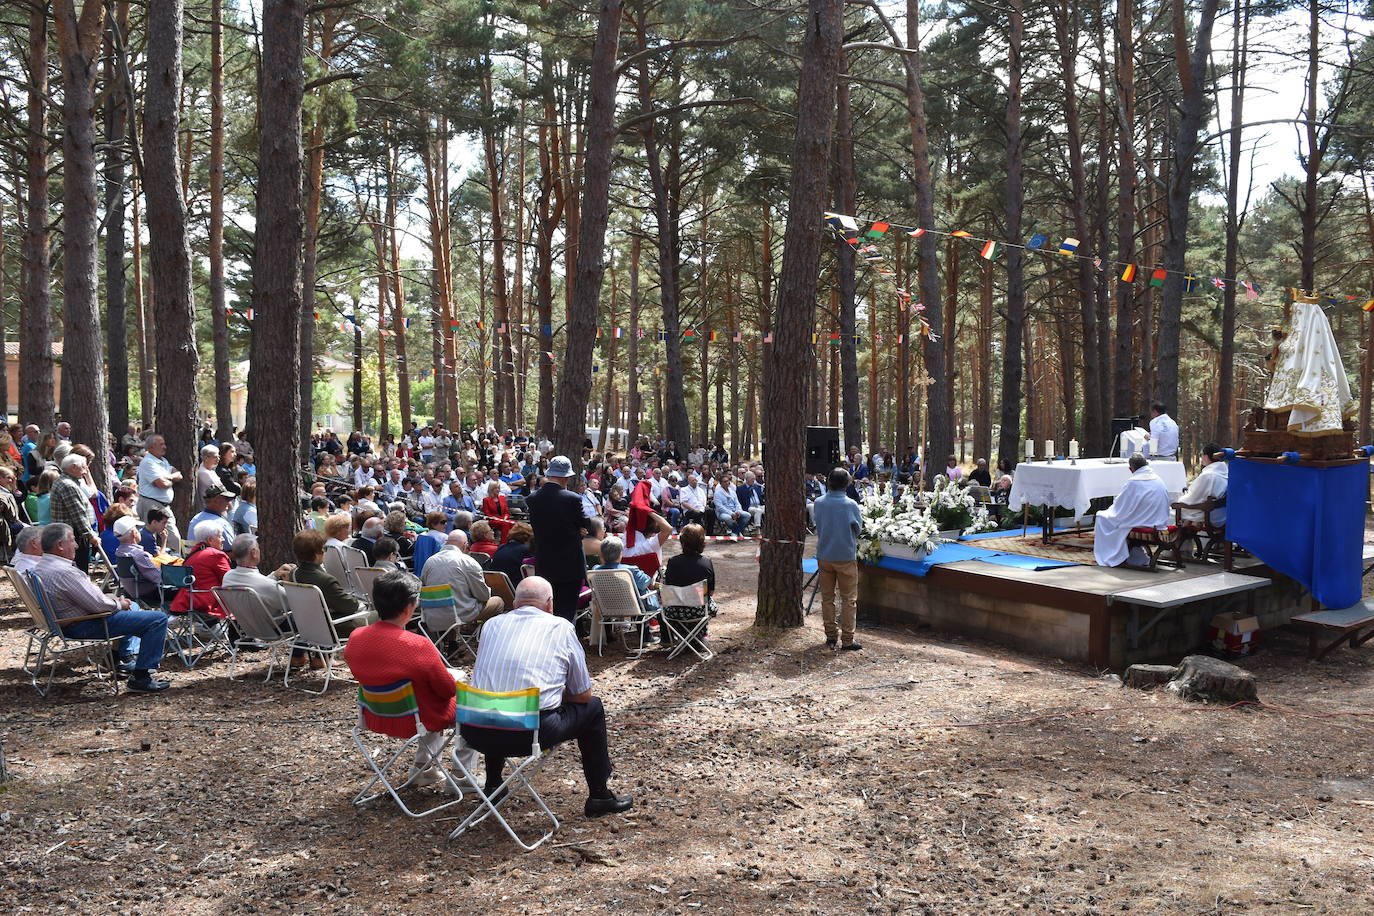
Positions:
(530, 647)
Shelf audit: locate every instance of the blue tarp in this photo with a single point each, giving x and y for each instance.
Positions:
(1019, 562)
(945, 553)
(1304, 522)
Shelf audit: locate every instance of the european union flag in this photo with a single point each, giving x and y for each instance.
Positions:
(1037, 241)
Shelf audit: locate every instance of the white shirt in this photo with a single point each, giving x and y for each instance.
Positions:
(1163, 437)
(152, 468)
(693, 498)
(591, 505)
(527, 647)
(1209, 484)
(656, 488)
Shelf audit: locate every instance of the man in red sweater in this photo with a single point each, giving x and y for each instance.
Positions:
(386, 652)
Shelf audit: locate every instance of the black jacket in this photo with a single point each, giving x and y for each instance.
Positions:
(556, 516)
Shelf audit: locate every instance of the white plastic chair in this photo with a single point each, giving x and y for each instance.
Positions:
(354, 560)
(257, 626)
(685, 630)
(366, 577)
(315, 632)
(616, 600)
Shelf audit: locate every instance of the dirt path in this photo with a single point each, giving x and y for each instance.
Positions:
(777, 778)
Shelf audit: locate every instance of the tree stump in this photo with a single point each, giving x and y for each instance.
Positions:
(1147, 677)
(1201, 677)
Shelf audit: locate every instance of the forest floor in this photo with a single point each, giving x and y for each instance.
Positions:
(925, 774)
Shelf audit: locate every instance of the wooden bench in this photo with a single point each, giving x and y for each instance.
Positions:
(1169, 595)
(1347, 622)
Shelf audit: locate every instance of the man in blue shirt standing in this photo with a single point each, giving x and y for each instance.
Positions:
(838, 523)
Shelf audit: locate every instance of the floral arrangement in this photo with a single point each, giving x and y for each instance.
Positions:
(954, 508)
(901, 521)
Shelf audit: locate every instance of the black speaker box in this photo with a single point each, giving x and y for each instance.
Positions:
(822, 449)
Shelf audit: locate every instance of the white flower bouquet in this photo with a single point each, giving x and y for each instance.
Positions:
(903, 521)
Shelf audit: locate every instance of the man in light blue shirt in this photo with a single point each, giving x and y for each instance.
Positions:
(156, 477)
(838, 524)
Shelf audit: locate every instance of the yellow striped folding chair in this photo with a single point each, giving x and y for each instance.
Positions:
(439, 620)
(396, 702)
(501, 725)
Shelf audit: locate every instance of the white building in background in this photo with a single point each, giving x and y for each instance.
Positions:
(336, 373)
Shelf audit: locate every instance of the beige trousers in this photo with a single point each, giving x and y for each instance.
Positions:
(843, 578)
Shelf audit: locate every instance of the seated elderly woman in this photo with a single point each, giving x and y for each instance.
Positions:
(337, 530)
(395, 525)
(482, 544)
(497, 510)
(208, 563)
(514, 553)
(139, 577)
(611, 550)
(385, 554)
(689, 568)
(308, 546)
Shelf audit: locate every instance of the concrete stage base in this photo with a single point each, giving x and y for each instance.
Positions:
(1067, 613)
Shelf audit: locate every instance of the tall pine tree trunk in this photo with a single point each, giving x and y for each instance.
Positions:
(274, 382)
(784, 420)
(1123, 403)
(83, 380)
(846, 202)
(1226, 374)
(570, 416)
(116, 320)
(35, 318)
(1012, 366)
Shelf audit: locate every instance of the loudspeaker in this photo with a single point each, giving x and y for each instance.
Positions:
(822, 449)
(1120, 425)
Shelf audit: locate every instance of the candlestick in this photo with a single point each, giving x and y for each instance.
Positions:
(1073, 449)
(1030, 449)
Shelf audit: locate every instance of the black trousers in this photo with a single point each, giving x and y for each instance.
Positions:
(585, 722)
(565, 595)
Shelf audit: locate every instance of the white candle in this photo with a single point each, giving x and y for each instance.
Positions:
(1049, 448)
(1030, 449)
(1073, 448)
(1145, 449)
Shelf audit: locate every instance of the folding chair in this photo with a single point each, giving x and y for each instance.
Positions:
(397, 701)
(354, 560)
(335, 566)
(366, 577)
(315, 632)
(52, 642)
(617, 601)
(811, 568)
(437, 609)
(501, 725)
(183, 639)
(110, 582)
(685, 615)
(257, 627)
(500, 586)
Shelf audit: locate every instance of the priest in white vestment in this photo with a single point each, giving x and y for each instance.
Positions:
(1142, 503)
(1210, 483)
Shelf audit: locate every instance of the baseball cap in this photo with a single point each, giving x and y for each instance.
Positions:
(215, 490)
(125, 524)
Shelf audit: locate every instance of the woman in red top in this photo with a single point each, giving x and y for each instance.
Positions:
(496, 510)
(482, 540)
(208, 563)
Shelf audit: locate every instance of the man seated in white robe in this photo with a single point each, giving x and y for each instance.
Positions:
(1142, 503)
(1210, 483)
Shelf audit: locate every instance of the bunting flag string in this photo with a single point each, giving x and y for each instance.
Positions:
(862, 234)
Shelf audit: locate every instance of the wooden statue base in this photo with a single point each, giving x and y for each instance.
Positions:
(1266, 435)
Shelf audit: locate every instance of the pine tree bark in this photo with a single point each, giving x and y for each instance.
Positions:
(1123, 403)
(116, 312)
(504, 384)
(1193, 75)
(1226, 373)
(146, 385)
(274, 382)
(169, 254)
(846, 202)
(570, 416)
(83, 380)
(36, 404)
(633, 368)
(1012, 367)
(224, 422)
(314, 190)
(784, 421)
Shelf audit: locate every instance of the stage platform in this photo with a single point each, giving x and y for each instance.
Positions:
(1108, 618)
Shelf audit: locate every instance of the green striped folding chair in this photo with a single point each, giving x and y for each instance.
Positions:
(394, 703)
(501, 725)
(439, 620)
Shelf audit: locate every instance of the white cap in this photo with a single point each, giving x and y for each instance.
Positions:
(124, 524)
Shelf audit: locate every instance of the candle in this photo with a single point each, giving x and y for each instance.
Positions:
(1030, 449)
(1073, 448)
(1145, 448)
(1049, 449)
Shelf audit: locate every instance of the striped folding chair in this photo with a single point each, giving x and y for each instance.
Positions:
(439, 620)
(501, 725)
(396, 702)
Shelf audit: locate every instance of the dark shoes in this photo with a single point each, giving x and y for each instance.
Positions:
(143, 682)
(850, 647)
(612, 804)
(830, 642)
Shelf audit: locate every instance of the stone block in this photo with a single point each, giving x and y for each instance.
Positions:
(1147, 677)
